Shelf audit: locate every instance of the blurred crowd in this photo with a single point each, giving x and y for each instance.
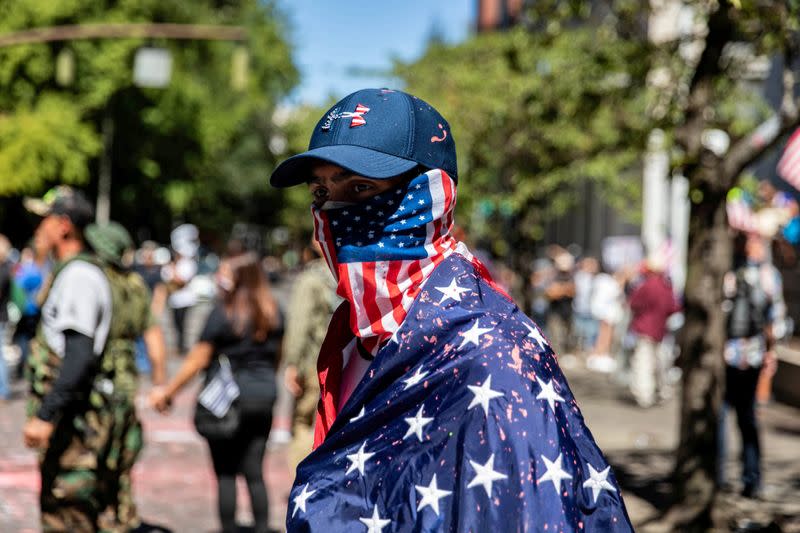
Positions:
(618, 320)
(622, 319)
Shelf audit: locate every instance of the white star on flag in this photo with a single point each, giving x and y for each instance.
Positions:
(380, 244)
(554, 473)
(375, 523)
(485, 475)
(536, 335)
(416, 378)
(416, 423)
(483, 394)
(358, 460)
(598, 481)
(548, 393)
(452, 291)
(473, 334)
(359, 415)
(431, 495)
(301, 499)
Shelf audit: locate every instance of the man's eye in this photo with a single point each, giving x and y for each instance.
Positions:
(361, 187)
(319, 193)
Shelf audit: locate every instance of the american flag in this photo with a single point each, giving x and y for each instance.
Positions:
(221, 391)
(789, 164)
(462, 422)
(740, 213)
(381, 250)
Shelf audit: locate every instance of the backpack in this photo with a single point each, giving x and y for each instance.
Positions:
(748, 315)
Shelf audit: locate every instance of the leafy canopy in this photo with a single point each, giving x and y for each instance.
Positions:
(534, 114)
(197, 148)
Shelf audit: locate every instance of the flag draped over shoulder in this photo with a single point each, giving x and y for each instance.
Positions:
(462, 422)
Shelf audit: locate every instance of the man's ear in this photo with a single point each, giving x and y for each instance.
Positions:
(66, 229)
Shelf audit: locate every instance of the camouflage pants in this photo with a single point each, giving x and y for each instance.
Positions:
(86, 472)
(126, 443)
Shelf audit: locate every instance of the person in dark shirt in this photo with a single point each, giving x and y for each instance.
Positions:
(245, 327)
(560, 293)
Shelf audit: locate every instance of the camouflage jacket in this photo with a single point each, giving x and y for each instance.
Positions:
(312, 303)
(115, 378)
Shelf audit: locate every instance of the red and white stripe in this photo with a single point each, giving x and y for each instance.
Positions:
(741, 216)
(382, 292)
(358, 116)
(789, 164)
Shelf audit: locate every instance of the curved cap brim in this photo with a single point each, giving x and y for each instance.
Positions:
(37, 206)
(357, 159)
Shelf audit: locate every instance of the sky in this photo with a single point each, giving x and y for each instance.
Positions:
(333, 39)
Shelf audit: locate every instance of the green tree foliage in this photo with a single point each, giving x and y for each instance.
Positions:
(535, 114)
(196, 150)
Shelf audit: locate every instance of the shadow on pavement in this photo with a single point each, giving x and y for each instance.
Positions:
(645, 473)
(147, 527)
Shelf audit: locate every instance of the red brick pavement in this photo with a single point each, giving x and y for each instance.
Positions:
(173, 480)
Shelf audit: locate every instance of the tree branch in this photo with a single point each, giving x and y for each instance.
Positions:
(764, 137)
(124, 31)
(720, 33)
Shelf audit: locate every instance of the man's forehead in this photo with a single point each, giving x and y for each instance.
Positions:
(320, 171)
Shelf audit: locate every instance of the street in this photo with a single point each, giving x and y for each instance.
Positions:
(174, 483)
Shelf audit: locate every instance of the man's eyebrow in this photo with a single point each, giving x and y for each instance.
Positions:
(341, 176)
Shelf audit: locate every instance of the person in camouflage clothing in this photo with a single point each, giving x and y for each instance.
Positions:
(312, 303)
(131, 318)
(81, 375)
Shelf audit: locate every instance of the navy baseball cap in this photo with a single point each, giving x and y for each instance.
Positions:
(378, 134)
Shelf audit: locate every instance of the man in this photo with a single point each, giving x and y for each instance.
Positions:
(72, 334)
(77, 373)
(584, 324)
(651, 302)
(560, 292)
(312, 303)
(442, 405)
(178, 276)
(754, 301)
(131, 320)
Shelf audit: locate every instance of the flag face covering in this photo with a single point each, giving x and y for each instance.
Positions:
(463, 421)
(381, 251)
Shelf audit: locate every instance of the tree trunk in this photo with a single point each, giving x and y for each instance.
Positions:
(702, 340)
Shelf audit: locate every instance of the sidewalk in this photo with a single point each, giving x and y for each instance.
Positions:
(640, 445)
(174, 483)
